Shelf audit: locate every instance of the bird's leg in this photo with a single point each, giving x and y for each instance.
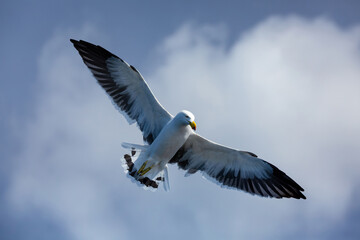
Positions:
(142, 171)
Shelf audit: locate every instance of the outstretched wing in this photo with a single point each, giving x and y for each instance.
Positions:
(126, 87)
(235, 169)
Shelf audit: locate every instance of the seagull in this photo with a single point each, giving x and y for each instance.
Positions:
(172, 139)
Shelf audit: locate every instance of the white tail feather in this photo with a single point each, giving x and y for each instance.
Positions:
(166, 179)
(134, 146)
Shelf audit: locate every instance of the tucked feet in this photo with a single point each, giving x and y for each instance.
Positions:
(143, 169)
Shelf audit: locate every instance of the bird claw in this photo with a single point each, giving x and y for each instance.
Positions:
(142, 171)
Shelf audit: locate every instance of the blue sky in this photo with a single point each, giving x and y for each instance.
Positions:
(280, 80)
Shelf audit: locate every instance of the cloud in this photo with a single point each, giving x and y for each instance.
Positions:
(287, 89)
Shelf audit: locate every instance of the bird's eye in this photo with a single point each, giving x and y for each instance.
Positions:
(187, 117)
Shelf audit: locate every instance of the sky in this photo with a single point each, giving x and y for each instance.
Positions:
(279, 79)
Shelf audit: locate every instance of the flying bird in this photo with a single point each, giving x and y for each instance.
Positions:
(172, 139)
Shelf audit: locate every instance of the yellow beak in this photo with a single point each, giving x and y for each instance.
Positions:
(193, 125)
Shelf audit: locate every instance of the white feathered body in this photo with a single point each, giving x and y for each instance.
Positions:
(168, 142)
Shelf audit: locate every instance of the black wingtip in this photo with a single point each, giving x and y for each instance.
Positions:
(280, 178)
(73, 41)
(93, 49)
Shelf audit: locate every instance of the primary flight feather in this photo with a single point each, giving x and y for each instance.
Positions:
(171, 139)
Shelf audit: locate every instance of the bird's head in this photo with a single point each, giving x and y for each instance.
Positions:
(186, 118)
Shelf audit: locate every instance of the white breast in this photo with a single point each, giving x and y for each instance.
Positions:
(169, 141)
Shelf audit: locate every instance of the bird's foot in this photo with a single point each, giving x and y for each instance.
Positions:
(143, 169)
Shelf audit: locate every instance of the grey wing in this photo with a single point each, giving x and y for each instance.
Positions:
(235, 169)
(126, 87)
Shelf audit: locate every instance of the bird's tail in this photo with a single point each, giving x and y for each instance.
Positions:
(141, 172)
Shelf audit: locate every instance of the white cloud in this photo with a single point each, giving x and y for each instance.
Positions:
(287, 90)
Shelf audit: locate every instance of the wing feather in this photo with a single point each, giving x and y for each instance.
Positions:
(126, 87)
(235, 169)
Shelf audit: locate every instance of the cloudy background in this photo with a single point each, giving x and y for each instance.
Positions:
(281, 80)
